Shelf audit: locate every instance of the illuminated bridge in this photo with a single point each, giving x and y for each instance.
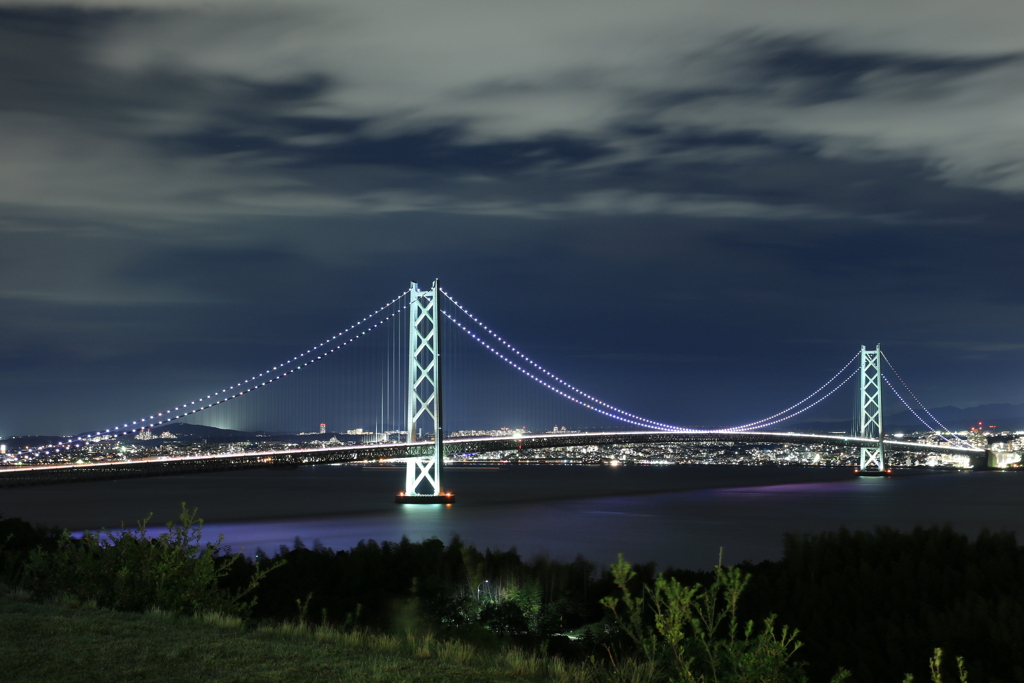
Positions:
(456, 447)
(415, 385)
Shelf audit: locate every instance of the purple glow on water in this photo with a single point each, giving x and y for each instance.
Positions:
(685, 528)
(674, 515)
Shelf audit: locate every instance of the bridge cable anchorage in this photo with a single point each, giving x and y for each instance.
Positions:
(943, 427)
(204, 403)
(618, 413)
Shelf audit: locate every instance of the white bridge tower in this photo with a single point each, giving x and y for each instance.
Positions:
(424, 474)
(872, 458)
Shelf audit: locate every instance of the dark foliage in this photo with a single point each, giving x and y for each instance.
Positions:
(18, 539)
(133, 571)
(878, 603)
(450, 587)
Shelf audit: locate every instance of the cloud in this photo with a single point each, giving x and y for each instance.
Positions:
(623, 203)
(931, 81)
(752, 171)
(196, 113)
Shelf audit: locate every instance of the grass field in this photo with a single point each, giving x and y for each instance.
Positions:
(73, 642)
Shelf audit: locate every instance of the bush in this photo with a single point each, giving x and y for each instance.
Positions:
(696, 635)
(17, 540)
(130, 571)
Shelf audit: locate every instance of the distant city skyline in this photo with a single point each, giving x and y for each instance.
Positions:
(697, 212)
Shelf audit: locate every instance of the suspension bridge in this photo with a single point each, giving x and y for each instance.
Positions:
(415, 332)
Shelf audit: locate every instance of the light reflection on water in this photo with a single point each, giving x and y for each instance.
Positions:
(674, 515)
(686, 528)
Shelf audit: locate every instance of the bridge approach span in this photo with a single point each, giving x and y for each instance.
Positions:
(27, 476)
(506, 443)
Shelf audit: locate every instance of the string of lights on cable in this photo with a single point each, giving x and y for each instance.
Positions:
(784, 415)
(618, 413)
(597, 405)
(284, 369)
(941, 427)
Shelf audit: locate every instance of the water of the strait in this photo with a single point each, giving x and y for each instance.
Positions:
(680, 516)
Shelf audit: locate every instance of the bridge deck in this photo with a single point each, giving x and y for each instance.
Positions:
(24, 476)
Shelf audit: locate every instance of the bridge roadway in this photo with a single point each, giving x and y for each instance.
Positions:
(30, 475)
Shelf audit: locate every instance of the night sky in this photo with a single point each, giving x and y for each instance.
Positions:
(697, 211)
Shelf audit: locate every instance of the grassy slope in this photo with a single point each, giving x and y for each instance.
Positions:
(47, 642)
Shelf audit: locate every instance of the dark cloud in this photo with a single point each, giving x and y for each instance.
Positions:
(701, 218)
(820, 74)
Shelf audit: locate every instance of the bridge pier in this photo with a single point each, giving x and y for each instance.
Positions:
(872, 473)
(989, 460)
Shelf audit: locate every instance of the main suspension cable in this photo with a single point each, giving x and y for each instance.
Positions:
(609, 410)
(337, 341)
(766, 423)
(625, 416)
(923, 407)
(783, 415)
(593, 405)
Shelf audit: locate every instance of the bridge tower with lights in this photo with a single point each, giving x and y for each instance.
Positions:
(872, 458)
(424, 474)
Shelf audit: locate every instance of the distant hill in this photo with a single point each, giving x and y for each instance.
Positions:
(184, 430)
(17, 443)
(1002, 416)
(191, 432)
